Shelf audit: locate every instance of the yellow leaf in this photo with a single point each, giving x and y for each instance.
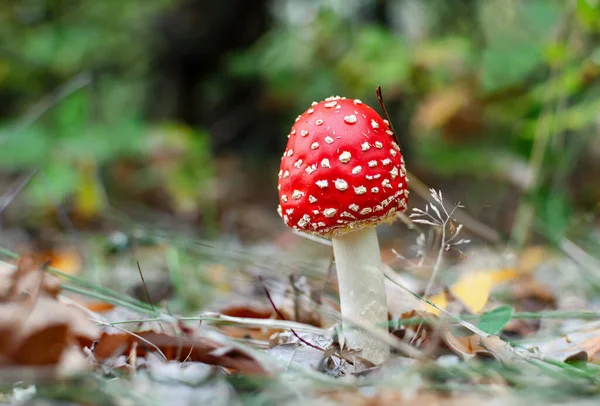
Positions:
(531, 257)
(504, 275)
(89, 197)
(440, 300)
(474, 290)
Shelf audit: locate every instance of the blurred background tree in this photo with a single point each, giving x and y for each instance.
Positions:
(182, 106)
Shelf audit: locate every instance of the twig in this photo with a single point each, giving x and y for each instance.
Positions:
(385, 113)
(471, 223)
(251, 322)
(273, 363)
(188, 357)
(422, 189)
(144, 284)
(134, 335)
(70, 302)
(15, 189)
(132, 358)
(488, 341)
(73, 85)
(438, 261)
(296, 297)
(580, 257)
(457, 319)
(316, 347)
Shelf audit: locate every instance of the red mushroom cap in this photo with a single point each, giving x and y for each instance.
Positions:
(342, 170)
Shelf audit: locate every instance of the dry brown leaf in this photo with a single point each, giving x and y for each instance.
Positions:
(249, 312)
(521, 328)
(7, 273)
(29, 279)
(440, 107)
(420, 335)
(39, 331)
(189, 348)
(99, 307)
(35, 328)
(293, 302)
(65, 260)
(582, 345)
(29, 284)
(465, 345)
(531, 295)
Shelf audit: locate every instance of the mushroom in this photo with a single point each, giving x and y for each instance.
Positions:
(342, 174)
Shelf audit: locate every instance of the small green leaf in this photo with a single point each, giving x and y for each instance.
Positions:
(494, 321)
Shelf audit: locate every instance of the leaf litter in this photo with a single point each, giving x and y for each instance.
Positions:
(286, 345)
(37, 329)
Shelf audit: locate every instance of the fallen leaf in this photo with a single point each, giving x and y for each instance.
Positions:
(29, 284)
(248, 312)
(582, 345)
(440, 300)
(99, 307)
(65, 260)
(7, 273)
(300, 355)
(41, 329)
(287, 337)
(531, 257)
(253, 312)
(440, 107)
(28, 279)
(174, 348)
(472, 289)
(532, 295)
(37, 329)
(521, 328)
(189, 383)
(419, 334)
(262, 334)
(465, 344)
(504, 275)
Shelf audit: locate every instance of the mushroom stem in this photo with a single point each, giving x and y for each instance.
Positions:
(362, 291)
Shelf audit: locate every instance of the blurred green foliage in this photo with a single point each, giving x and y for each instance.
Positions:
(473, 87)
(480, 82)
(76, 80)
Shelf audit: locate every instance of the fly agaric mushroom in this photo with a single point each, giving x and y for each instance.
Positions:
(341, 174)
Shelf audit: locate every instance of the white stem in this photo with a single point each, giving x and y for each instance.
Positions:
(362, 291)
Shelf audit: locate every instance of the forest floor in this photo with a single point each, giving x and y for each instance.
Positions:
(153, 318)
